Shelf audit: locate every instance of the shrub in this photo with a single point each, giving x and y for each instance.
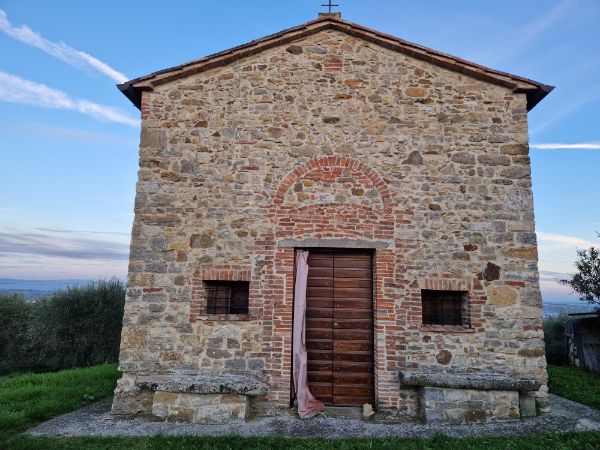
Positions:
(14, 318)
(554, 339)
(79, 326)
(76, 327)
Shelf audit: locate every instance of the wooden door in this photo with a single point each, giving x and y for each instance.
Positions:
(339, 327)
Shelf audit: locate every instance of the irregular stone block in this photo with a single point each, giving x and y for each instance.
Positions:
(468, 381)
(502, 295)
(527, 405)
(490, 273)
(199, 408)
(468, 405)
(204, 384)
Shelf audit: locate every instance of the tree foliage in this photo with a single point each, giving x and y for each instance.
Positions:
(76, 327)
(586, 282)
(14, 318)
(554, 339)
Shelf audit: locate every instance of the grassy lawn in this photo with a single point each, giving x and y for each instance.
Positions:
(26, 400)
(575, 384)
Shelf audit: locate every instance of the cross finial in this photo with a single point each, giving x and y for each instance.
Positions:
(329, 5)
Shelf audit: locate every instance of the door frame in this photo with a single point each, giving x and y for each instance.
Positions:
(373, 252)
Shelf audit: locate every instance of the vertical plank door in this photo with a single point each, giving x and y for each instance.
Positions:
(339, 327)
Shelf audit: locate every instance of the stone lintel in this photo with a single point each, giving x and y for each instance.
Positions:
(334, 15)
(333, 243)
(480, 381)
(204, 384)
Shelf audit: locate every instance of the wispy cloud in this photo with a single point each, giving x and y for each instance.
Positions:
(571, 241)
(47, 252)
(18, 90)
(67, 231)
(556, 146)
(520, 40)
(549, 275)
(75, 134)
(59, 50)
(50, 244)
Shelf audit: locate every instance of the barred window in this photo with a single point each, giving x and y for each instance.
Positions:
(227, 297)
(445, 307)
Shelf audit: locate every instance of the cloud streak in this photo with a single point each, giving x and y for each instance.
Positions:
(549, 275)
(570, 241)
(49, 244)
(76, 135)
(556, 146)
(61, 253)
(14, 89)
(60, 50)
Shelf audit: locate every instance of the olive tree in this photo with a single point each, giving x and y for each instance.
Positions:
(586, 282)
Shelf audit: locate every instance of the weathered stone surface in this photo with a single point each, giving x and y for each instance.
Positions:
(531, 352)
(130, 399)
(414, 158)
(527, 405)
(199, 408)
(444, 357)
(502, 295)
(294, 49)
(472, 381)
(204, 384)
(516, 172)
(416, 92)
(490, 273)
(448, 405)
(515, 149)
(494, 160)
(153, 138)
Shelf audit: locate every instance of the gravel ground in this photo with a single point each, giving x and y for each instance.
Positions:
(96, 420)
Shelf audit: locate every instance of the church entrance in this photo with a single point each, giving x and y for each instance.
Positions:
(339, 326)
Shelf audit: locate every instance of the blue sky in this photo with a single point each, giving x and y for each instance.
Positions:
(68, 137)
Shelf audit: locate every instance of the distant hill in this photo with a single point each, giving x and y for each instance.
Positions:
(554, 309)
(32, 289)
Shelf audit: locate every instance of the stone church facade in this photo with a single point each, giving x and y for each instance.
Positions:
(405, 174)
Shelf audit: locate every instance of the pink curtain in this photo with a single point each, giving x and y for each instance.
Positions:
(308, 406)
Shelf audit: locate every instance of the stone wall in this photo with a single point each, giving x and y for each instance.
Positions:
(199, 408)
(328, 138)
(467, 405)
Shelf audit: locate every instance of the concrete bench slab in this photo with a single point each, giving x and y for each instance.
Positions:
(479, 381)
(204, 384)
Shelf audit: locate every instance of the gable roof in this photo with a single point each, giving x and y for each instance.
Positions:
(534, 90)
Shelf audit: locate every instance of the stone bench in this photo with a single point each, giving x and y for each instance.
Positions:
(201, 398)
(467, 397)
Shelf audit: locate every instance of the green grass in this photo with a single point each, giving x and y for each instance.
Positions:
(26, 400)
(567, 441)
(575, 384)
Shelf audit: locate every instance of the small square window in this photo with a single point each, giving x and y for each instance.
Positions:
(445, 307)
(227, 297)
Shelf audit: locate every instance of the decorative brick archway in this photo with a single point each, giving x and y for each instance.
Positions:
(329, 198)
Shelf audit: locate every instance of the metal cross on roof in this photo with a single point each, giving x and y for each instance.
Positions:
(330, 5)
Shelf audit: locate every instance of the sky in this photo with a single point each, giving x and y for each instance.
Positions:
(69, 138)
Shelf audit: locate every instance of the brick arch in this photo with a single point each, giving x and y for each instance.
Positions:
(332, 161)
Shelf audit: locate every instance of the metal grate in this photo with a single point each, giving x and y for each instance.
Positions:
(227, 297)
(444, 307)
